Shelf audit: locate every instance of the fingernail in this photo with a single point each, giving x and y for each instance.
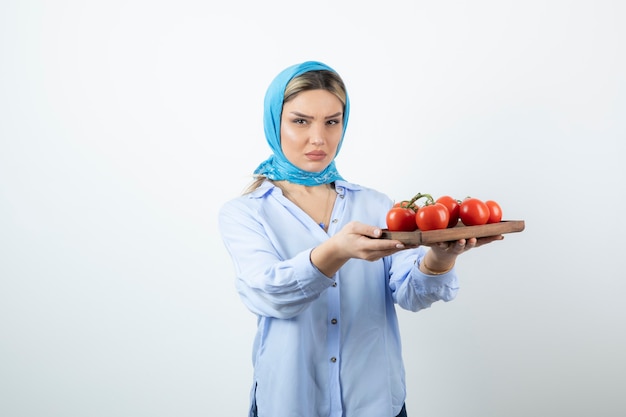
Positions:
(400, 246)
(377, 232)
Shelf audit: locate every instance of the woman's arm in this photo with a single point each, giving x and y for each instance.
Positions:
(271, 282)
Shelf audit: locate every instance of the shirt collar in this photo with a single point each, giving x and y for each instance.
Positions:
(267, 187)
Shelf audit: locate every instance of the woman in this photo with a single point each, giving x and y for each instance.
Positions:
(308, 263)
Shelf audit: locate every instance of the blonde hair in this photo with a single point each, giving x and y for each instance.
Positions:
(316, 80)
(311, 80)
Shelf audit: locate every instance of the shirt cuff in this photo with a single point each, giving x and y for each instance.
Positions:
(310, 279)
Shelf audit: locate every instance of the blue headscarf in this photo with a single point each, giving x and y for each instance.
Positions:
(277, 167)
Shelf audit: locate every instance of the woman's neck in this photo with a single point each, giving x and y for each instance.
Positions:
(316, 201)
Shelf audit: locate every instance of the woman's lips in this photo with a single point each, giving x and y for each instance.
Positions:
(316, 155)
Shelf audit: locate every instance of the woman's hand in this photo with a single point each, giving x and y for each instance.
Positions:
(354, 240)
(358, 240)
(442, 256)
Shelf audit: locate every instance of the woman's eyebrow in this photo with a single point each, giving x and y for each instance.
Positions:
(305, 116)
(332, 116)
(297, 113)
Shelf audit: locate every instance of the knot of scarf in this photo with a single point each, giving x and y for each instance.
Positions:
(277, 167)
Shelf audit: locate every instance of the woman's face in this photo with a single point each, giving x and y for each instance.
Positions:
(311, 126)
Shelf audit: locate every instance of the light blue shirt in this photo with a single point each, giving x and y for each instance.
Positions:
(324, 346)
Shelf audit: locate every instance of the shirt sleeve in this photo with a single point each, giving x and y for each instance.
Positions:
(412, 289)
(268, 283)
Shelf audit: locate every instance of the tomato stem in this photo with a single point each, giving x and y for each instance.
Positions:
(429, 199)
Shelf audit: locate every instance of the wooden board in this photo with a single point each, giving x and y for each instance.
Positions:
(455, 233)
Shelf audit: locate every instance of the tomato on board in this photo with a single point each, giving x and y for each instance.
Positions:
(453, 206)
(401, 219)
(495, 211)
(473, 212)
(432, 217)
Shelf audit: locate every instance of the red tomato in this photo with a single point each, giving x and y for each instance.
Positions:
(453, 207)
(400, 219)
(473, 212)
(495, 211)
(432, 217)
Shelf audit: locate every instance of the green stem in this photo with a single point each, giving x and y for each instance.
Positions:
(429, 199)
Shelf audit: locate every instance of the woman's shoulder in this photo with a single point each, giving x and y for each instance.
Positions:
(249, 199)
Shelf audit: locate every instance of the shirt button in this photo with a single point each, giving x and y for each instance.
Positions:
(334, 220)
(334, 321)
(334, 284)
(333, 359)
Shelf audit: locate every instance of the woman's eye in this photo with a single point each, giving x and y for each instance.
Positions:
(299, 121)
(333, 122)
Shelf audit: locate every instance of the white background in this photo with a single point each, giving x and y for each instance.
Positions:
(124, 125)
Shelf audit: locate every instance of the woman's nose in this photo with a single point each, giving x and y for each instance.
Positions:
(317, 135)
